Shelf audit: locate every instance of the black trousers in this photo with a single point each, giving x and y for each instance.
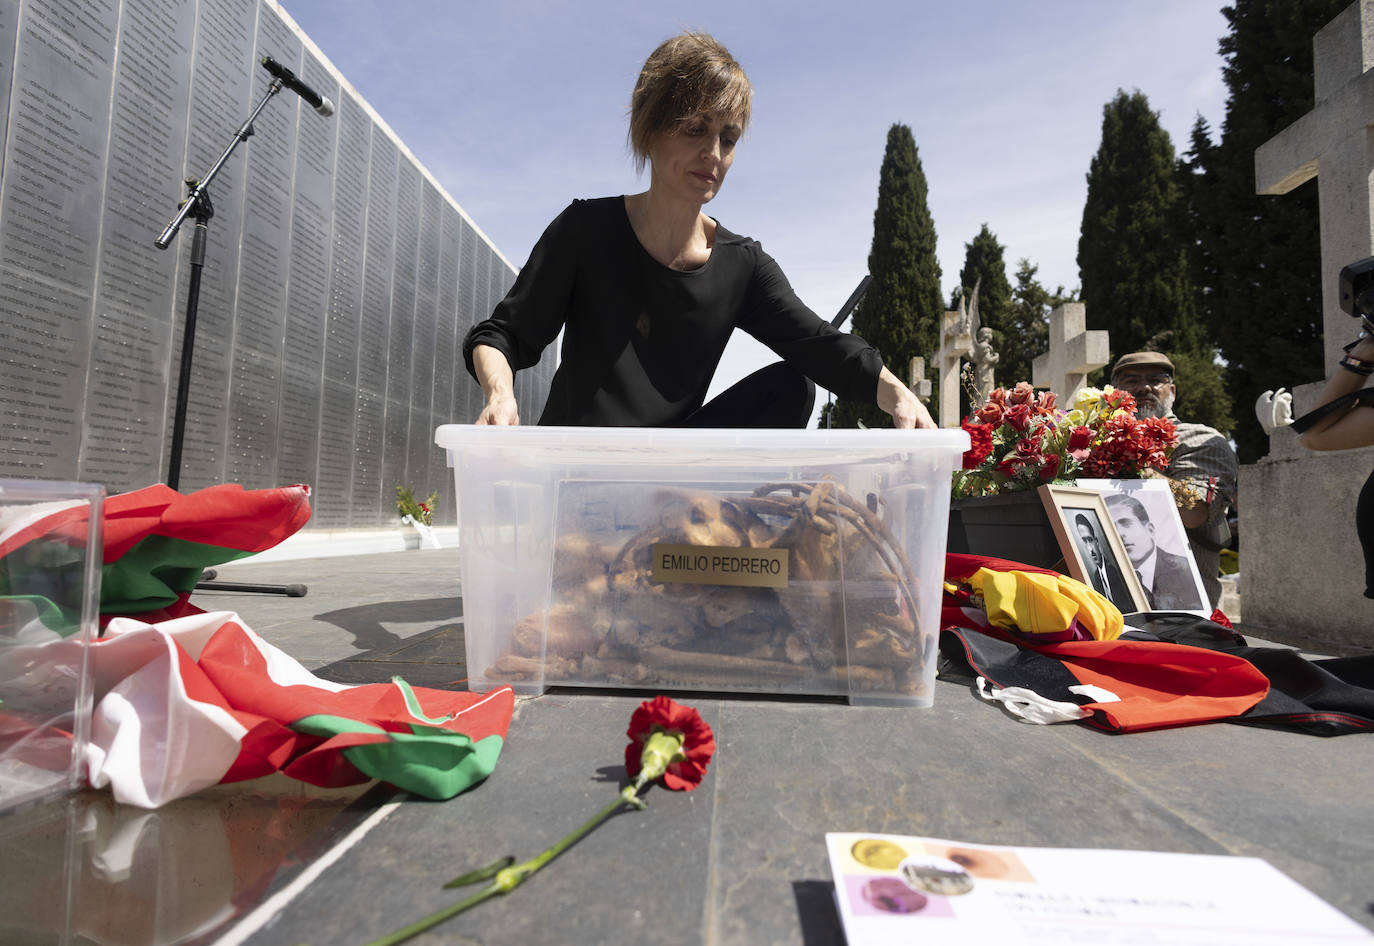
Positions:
(777, 396)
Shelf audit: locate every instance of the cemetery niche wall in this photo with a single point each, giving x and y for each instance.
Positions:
(339, 277)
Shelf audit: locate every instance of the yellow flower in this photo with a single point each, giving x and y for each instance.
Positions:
(1088, 399)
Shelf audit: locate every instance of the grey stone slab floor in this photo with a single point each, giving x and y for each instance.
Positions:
(742, 859)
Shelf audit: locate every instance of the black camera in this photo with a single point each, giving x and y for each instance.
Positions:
(1357, 291)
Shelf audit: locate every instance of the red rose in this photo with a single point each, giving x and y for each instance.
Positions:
(1012, 465)
(698, 743)
(998, 396)
(1080, 442)
(1023, 393)
(1044, 403)
(989, 413)
(1050, 469)
(1018, 416)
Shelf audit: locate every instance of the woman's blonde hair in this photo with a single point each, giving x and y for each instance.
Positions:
(689, 74)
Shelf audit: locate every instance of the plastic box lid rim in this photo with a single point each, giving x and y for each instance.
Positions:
(452, 436)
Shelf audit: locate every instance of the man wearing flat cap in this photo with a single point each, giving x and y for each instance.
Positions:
(1203, 461)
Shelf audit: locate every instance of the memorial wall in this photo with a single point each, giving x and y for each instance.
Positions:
(338, 284)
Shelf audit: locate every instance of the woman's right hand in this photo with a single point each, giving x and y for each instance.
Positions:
(497, 379)
(500, 411)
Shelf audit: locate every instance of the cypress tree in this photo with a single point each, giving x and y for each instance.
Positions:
(1130, 258)
(1133, 255)
(985, 268)
(900, 313)
(1256, 260)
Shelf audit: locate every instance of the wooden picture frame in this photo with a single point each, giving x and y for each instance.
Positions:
(1085, 532)
(1148, 522)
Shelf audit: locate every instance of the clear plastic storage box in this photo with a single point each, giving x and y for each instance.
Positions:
(50, 556)
(774, 561)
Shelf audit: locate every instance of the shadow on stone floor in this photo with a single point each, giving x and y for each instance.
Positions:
(434, 658)
(365, 622)
(820, 920)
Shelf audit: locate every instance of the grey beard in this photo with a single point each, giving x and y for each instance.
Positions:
(1157, 407)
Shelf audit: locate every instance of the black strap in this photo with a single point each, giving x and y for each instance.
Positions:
(1364, 397)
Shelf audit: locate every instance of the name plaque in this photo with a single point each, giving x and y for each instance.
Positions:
(718, 565)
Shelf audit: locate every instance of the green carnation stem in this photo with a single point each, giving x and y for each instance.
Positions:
(511, 877)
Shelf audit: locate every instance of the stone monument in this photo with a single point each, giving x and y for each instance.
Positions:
(984, 358)
(1301, 566)
(917, 380)
(1075, 352)
(956, 339)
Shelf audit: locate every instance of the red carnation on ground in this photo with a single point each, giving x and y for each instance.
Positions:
(661, 715)
(667, 741)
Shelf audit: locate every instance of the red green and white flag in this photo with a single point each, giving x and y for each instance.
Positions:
(192, 702)
(157, 542)
(185, 699)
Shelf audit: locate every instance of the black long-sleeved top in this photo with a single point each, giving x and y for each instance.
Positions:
(642, 341)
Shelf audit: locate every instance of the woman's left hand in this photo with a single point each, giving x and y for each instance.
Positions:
(905, 407)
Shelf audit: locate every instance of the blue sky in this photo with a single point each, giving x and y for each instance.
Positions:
(518, 106)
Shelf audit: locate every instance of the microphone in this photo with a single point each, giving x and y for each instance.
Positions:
(288, 78)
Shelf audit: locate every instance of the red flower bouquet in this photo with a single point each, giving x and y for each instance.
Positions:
(1022, 439)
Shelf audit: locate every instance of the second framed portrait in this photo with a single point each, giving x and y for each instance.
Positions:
(1152, 532)
(1092, 548)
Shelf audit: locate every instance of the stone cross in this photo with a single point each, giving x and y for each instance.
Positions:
(917, 380)
(955, 342)
(1332, 144)
(1074, 352)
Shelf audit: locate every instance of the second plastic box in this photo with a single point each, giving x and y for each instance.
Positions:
(50, 554)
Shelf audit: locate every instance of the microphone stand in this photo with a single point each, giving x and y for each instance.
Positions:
(197, 204)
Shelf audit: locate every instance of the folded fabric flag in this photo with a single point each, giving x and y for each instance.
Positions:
(1119, 685)
(195, 701)
(1019, 652)
(1035, 601)
(156, 543)
(1330, 696)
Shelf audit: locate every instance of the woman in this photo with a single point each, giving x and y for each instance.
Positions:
(647, 288)
(1345, 420)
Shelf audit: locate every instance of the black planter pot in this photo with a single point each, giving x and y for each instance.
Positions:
(1012, 526)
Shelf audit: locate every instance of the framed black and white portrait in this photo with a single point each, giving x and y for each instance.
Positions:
(1147, 520)
(1093, 551)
